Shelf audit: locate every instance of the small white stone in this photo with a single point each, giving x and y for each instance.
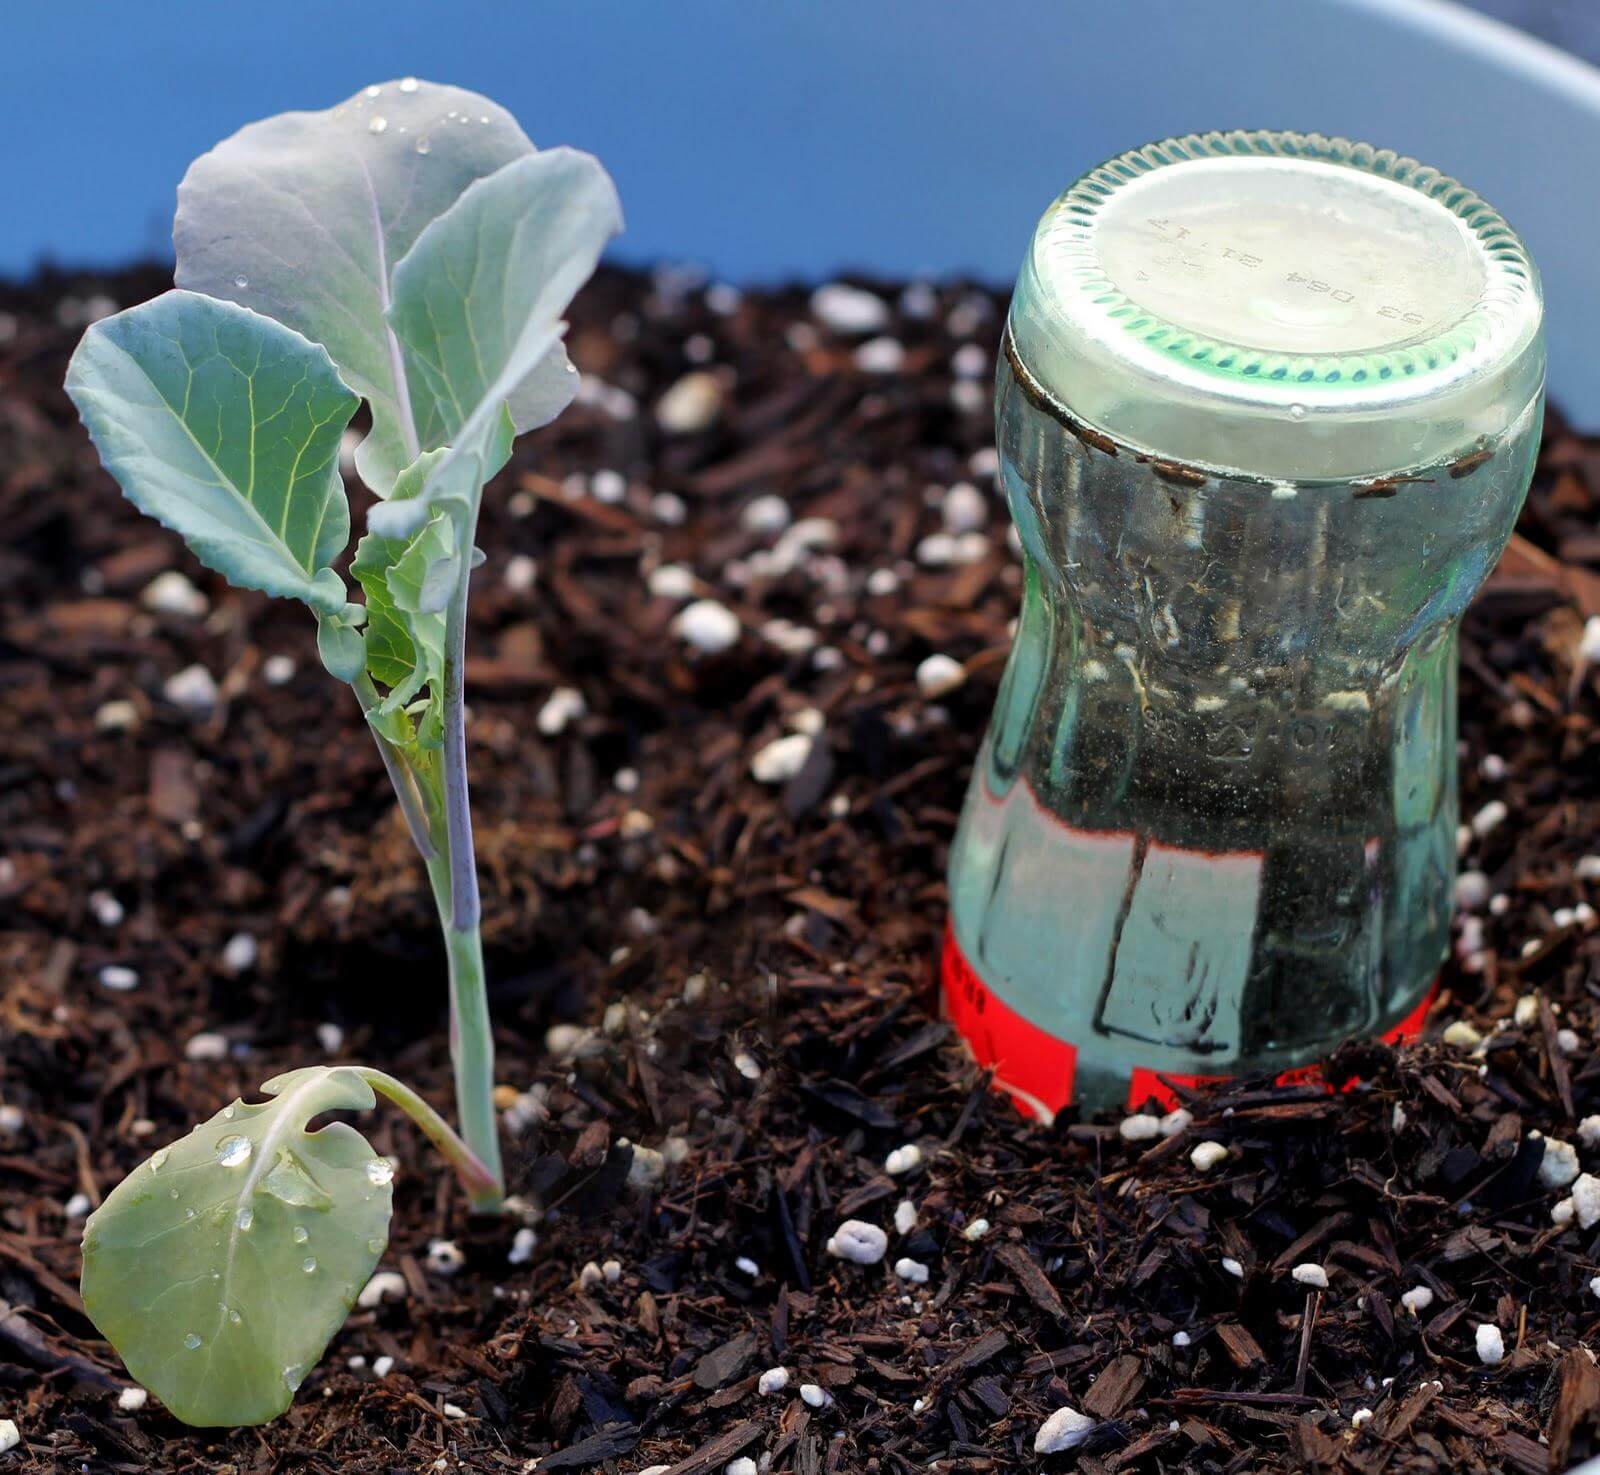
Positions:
(847, 309)
(382, 1366)
(77, 1207)
(1065, 1429)
(1360, 1417)
(1233, 1267)
(1176, 1121)
(1462, 1036)
(444, 1257)
(1206, 1156)
(938, 674)
(1417, 1300)
(965, 508)
(1472, 890)
(106, 908)
(881, 356)
(386, 1285)
(859, 1242)
(1140, 1127)
(131, 1400)
(206, 1046)
(692, 404)
(239, 953)
(744, 1465)
(1490, 817)
(670, 581)
(1586, 1200)
(707, 626)
(1491, 1345)
(782, 758)
(813, 1396)
(1311, 1275)
(774, 1380)
(564, 705)
(278, 670)
(905, 1216)
(116, 716)
(523, 1244)
(1559, 1165)
(975, 1230)
(912, 1270)
(521, 573)
(1567, 1041)
(118, 978)
(1526, 1013)
(903, 1160)
(194, 689)
(768, 516)
(172, 594)
(1180, 1339)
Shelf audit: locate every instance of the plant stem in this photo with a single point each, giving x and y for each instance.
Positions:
(400, 775)
(471, 1035)
(480, 1180)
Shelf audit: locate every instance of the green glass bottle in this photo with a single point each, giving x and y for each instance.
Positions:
(1267, 408)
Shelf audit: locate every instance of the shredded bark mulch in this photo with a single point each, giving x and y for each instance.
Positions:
(739, 975)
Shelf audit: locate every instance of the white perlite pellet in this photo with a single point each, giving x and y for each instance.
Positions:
(965, 508)
(1526, 1013)
(239, 953)
(1206, 1156)
(331, 1037)
(444, 1256)
(194, 689)
(744, 1465)
(206, 1046)
(1360, 1417)
(1559, 1165)
(564, 706)
(881, 356)
(975, 1230)
(1462, 1036)
(1180, 1339)
(774, 1380)
(106, 908)
(1417, 1300)
(782, 758)
(1233, 1267)
(1065, 1429)
(692, 404)
(1489, 818)
(1311, 1275)
(172, 594)
(1589, 1131)
(905, 1216)
(1586, 1200)
(10, 1437)
(670, 581)
(707, 626)
(1594, 1286)
(77, 1207)
(939, 674)
(521, 573)
(1140, 1127)
(118, 979)
(382, 1366)
(131, 1400)
(523, 1243)
(912, 1270)
(1472, 890)
(903, 1160)
(278, 670)
(386, 1285)
(847, 309)
(591, 1276)
(813, 1395)
(1491, 1345)
(767, 515)
(859, 1242)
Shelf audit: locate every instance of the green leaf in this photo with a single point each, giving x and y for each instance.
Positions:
(341, 647)
(221, 1267)
(303, 216)
(224, 426)
(478, 299)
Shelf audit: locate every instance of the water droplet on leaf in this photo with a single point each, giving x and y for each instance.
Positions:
(376, 1246)
(1297, 412)
(234, 1151)
(192, 1341)
(423, 145)
(239, 281)
(378, 125)
(380, 1171)
(309, 1264)
(188, 1213)
(158, 1160)
(244, 1218)
(300, 1234)
(374, 91)
(235, 1318)
(292, 1376)
(409, 84)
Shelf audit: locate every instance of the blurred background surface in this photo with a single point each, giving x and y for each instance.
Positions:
(789, 140)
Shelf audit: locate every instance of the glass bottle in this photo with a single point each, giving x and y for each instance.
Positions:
(1267, 408)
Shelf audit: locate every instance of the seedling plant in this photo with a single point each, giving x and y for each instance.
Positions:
(411, 249)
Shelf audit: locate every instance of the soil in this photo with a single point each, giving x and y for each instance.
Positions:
(755, 963)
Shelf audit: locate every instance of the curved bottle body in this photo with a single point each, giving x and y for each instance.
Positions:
(1212, 828)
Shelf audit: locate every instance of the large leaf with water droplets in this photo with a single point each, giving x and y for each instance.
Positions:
(221, 1267)
(478, 300)
(303, 217)
(224, 426)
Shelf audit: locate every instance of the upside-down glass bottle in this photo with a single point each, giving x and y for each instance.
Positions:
(1267, 408)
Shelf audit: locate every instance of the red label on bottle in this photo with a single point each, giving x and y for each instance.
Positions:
(1037, 1070)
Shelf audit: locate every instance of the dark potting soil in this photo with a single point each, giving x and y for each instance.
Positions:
(755, 964)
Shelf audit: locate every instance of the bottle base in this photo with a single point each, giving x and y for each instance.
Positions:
(1043, 1074)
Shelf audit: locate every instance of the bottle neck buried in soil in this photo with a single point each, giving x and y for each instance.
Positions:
(1281, 306)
